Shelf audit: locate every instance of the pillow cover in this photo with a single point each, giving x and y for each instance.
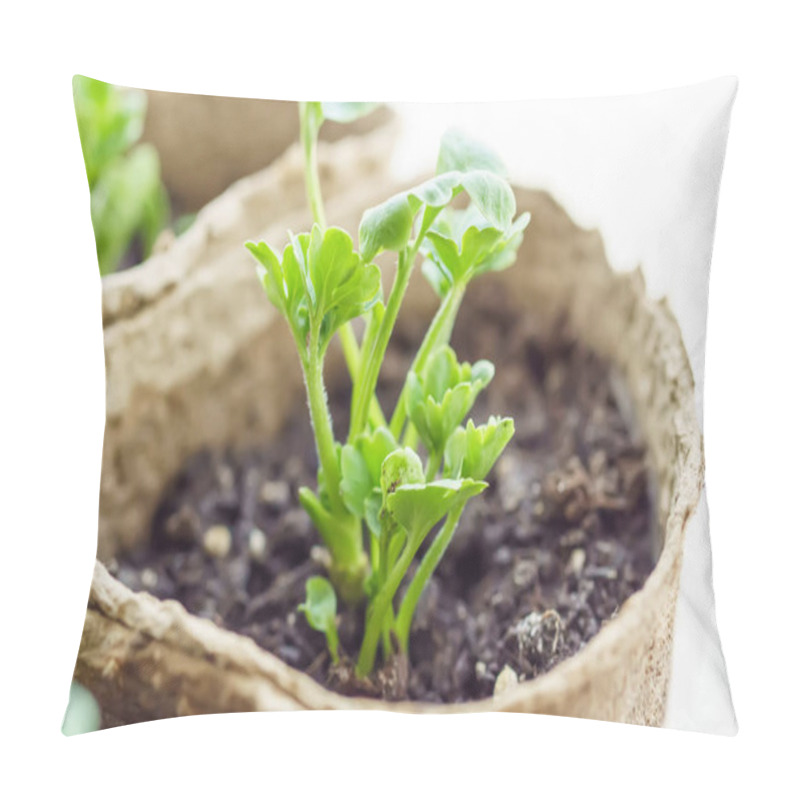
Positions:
(395, 419)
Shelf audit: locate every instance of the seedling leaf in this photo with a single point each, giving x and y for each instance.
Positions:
(388, 226)
(463, 245)
(320, 610)
(361, 470)
(440, 398)
(471, 452)
(458, 151)
(400, 467)
(419, 506)
(320, 283)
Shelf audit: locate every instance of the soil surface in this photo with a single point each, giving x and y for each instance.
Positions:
(539, 563)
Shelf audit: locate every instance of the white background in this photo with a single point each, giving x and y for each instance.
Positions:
(52, 386)
(644, 170)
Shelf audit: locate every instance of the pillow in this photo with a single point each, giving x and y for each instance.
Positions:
(408, 417)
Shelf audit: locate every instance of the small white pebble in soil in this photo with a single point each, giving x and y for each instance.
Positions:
(149, 578)
(217, 541)
(257, 545)
(537, 632)
(506, 465)
(577, 560)
(274, 494)
(506, 680)
(604, 573)
(320, 555)
(512, 484)
(524, 574)
(297, 520)
(225, 477)
(294, 467)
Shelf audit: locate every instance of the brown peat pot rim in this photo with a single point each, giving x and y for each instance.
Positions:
(145, 658)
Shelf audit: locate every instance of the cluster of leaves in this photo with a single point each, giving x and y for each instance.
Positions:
(128, 200)
(374, 487)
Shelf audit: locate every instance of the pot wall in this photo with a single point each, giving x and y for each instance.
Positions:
(203, 360)
(207, 142)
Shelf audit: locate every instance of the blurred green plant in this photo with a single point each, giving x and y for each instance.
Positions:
(128, 199)
(83, 712)
(374, 482)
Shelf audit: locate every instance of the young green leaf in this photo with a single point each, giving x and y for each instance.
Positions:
(110, 122)
(492, 196)
(344, 285)
(347, 112)
(505, 253)
(400, 467)
(320, 283)
(459, 152)
(463, 245)
(320, 610)
(361, 474)
(416, 508)
(389, 225)
(419, 506)
(128, 199)
(285, 285)
(439, 399)
(471, 452)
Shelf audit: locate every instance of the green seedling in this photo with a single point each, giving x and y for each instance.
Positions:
(378, 508)
(128, 200)
(320, 611)
(438, 400)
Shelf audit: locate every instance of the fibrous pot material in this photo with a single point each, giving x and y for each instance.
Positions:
(207, 142)
(196, 357)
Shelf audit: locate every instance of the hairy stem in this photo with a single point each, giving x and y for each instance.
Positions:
(323, 429)
(309, 131)
(374, 350)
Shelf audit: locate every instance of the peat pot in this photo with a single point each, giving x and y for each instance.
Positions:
(196, 357)
(207, 142)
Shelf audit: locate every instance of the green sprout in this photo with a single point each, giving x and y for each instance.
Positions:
(377, 504)
(128, 200)
(320, 611)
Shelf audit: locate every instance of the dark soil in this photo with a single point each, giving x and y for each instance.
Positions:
(539, 562)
